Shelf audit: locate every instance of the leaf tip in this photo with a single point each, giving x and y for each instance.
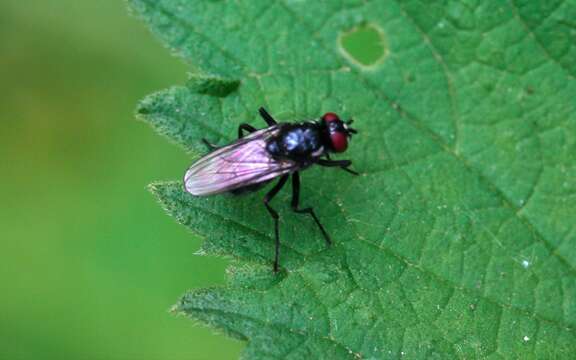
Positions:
(154, 187)
(161, 188)
(176, 309)
(144, 107)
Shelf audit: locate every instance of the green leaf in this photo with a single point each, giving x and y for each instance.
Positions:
(459, 239)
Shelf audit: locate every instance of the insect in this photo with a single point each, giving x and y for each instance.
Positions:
(279, 151)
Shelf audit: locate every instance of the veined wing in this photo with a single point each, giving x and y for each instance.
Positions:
(239, 164)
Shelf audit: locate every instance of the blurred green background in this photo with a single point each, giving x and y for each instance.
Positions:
(89, 263)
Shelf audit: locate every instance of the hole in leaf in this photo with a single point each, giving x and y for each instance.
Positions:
(364, 45)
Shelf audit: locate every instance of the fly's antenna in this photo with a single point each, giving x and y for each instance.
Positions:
(349, 129)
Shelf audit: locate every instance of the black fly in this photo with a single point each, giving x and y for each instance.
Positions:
(280, 150)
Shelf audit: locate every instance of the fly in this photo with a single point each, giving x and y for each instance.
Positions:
(279, 151)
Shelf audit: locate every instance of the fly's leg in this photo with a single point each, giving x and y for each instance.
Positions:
(269, 196)
(267, 117)
(209, 145)
(334, 163)
(245, 127)
(343, 164)
(308, 210)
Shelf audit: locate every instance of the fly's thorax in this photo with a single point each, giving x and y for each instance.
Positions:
(300, 142)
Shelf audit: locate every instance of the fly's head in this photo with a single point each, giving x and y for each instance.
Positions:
(337, 132)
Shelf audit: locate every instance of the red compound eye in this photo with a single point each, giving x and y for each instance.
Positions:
(339, 141)
(328, 117)
(338, 135)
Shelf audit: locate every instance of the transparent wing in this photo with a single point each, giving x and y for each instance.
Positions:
(239, 164)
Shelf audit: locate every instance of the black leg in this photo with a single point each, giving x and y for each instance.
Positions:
(267, 117)
(350, 171)
(269, 196)
(308, 210)
(343, 164)
(245, 127)
(209, 145)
